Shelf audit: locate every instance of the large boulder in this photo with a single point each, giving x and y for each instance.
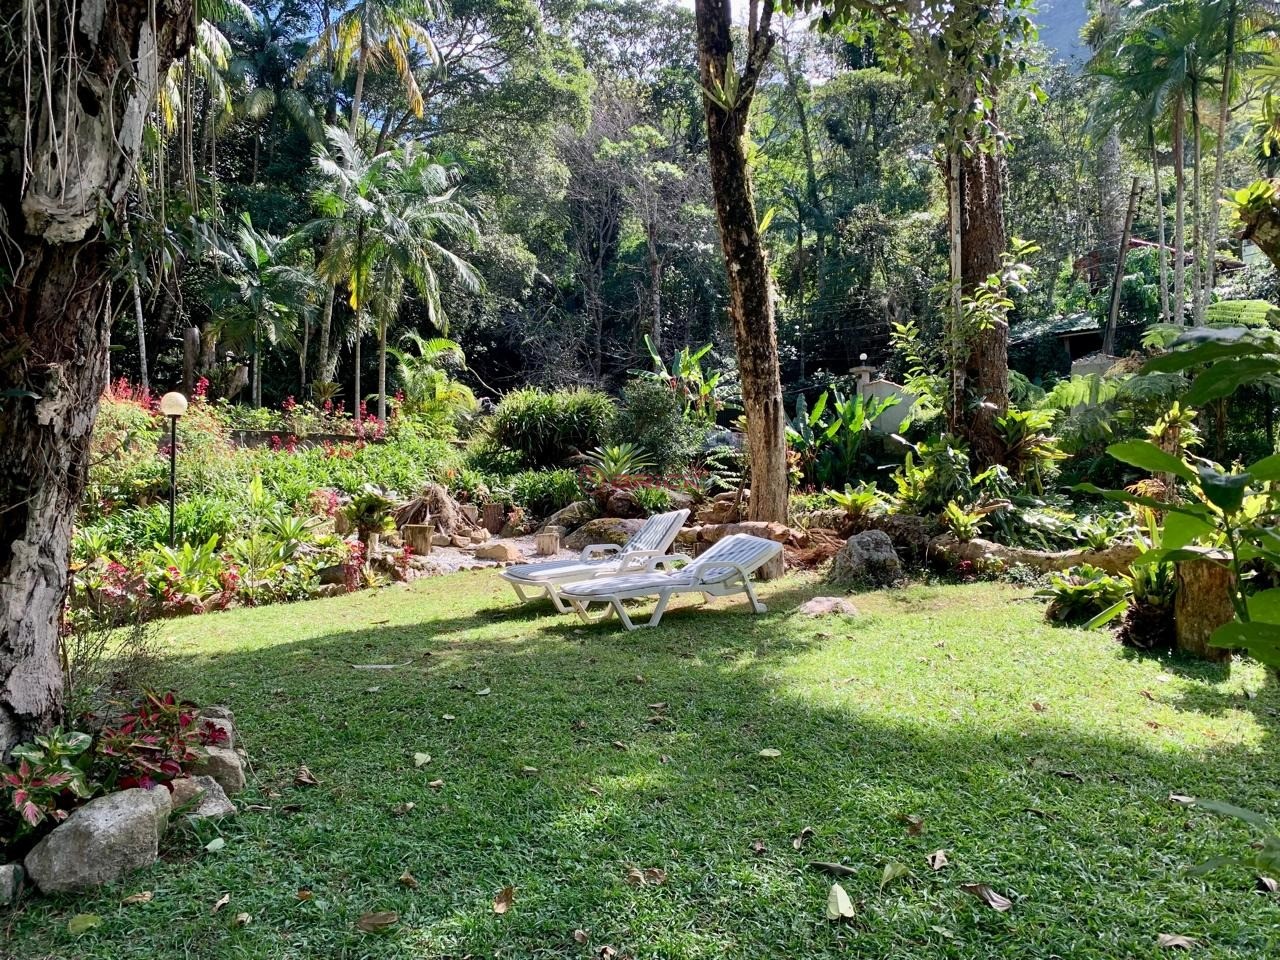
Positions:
(866, 559)
(102, 841)
(573, 516)
(769, 530)
(623, 503)
(603, 530)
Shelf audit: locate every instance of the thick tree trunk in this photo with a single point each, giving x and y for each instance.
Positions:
(80, 151)
(751, 306)
(982, 244)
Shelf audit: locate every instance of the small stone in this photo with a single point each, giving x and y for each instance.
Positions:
(460, 542)
(218, 712)
(441, 540)
(828, 606)
(224, 766)
(102, 841)
(201, 798)
(10, 883)
(479, 535)
(498, 550)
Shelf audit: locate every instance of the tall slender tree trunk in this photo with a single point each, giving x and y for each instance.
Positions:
(362, 65)
(1164, 252)
(87, 98)
(751, 306)
(1197, 220)
(655, 288)
(1224, 118)
(986, 363)
(355, 359)
(326, 362)
(1180, 213)
(382, 370)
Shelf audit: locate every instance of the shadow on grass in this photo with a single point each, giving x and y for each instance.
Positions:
(568, 754)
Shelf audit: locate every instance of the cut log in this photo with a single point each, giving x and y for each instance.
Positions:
(417, 536)
(1114, 559)
(1202, 604)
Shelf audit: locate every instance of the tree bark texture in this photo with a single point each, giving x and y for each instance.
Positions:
(87, 102)
(982, 244)
(751, 307)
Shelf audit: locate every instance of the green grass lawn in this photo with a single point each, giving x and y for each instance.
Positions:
(1041, 759)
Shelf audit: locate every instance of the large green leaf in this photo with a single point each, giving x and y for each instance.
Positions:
(1177, 360)
(1145, 455)
(1262, 640)
(1264, 607)
(1180, 529)
(1224, 490)
(1266, 470)
(1124, 496)
(1226, 376)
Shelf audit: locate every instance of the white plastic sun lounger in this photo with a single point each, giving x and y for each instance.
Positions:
(650, 542)
(723, 570)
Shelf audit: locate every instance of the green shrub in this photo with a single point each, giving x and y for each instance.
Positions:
(543, 492)
(197, 519)
(653, 499)
(1081, 593)
(652, 417)
(546, 429)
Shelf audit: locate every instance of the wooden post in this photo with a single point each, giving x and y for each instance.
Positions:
(495, 517)
(417, 536)
(547, 543)
(1202, 604)
(1113, 315)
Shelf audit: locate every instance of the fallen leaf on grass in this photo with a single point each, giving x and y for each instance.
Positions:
(377, 922)
(403, 809)
(839, 906)
(421, 759)
(1267, 885)
(483, 693)
(305, 778)
(770, 752)
(619, 745)
(835, 869)
(757, 846)
(304, 894)
(655, 876)
(981, 891)
(937, 860)
(380, 666)
(83, 923)
(1038, 707)
(1182, 799)
(407, 879)
(1176, 941)
(1069, 775)
(505, 898)
(222, 902)
(607, 953)
(659, 706)
(242, 919)
(529, 771)
(143, 896)
(216, 844)
(1149, 695)
(581, 936)
(595, 791)
(436, 784)
(448, 716)
(915, 824)
(893, 871)
(798, 841)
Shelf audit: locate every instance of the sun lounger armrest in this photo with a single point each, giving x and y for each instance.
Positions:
(594, 550)
(742, 571)
(635, 561)
(666, 561)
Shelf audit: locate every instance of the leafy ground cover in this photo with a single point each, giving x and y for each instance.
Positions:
(562, 758)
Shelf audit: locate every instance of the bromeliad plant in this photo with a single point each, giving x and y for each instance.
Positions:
(1080, 593)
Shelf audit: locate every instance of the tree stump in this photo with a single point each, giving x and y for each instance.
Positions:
(495, 517)
(417, 536)
(1202, 604)
(548, 543)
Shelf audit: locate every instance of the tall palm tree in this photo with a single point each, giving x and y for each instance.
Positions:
(1171, 52)
(371, 32)
(392, 221)
(265, 296)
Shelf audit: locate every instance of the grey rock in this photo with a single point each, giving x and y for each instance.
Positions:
(218, 712)
(623, 503)
(866, 559)
(201, 798)
(572, 516)
(102, 841)
(603, 530)
(223, 764)
(827, 606)
(499, 550)
(10, 883)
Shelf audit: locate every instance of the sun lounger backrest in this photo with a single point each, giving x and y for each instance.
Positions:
(743, 549)
(658, 532)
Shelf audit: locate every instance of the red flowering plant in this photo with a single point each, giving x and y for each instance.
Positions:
(49, 779)
(155, 742)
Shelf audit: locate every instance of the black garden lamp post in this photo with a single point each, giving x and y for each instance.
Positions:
(173, 405)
